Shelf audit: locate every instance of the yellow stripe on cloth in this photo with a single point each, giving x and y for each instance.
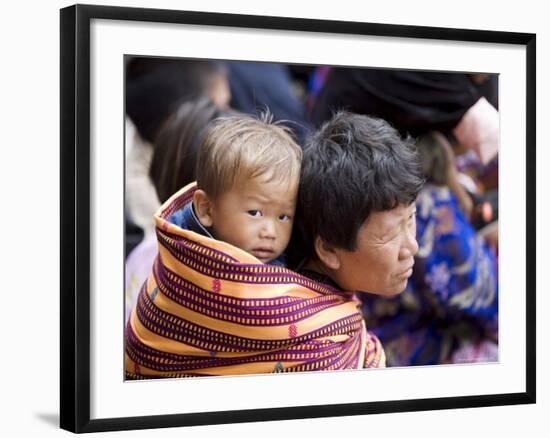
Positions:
(235, 285)
(269, 331)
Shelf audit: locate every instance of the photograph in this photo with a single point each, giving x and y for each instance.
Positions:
(295, 218)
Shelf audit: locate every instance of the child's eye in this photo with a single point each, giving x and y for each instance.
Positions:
(254, 213)
(284, 217)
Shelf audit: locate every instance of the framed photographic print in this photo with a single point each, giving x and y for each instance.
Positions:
(169, 319)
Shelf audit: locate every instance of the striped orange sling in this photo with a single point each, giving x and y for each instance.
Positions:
(209, 308)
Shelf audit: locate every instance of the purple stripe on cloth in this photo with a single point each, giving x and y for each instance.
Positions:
(312, 360)
(179, 242)
(182, 246)
(245, 319)
(210, 303)
(338, 361)
(154, 359)
(133, 376)
(259, 278)
(195, 363)
(279, 275)
(143, 349)
(245, 305)
(202, 337)
(196, 335)
(353, 359)
(163, 274)
(371, 357)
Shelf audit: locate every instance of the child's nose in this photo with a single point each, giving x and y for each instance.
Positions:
(268, 230)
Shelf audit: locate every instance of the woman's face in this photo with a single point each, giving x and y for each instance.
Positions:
(383, 259)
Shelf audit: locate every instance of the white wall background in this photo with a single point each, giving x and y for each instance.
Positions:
(29, 177)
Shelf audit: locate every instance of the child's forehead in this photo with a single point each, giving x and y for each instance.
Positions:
(266, 181)
(264, 188)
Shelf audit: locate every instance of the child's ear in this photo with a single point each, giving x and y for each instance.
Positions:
(203, 207)
(326, 254)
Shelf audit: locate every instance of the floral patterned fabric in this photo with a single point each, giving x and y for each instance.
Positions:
(449, 311)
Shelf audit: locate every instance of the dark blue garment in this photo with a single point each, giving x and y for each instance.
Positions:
(256, 86)
(186, 219)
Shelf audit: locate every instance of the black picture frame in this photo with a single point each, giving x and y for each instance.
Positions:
(75, 217)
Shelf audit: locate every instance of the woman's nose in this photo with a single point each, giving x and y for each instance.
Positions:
(410, 245)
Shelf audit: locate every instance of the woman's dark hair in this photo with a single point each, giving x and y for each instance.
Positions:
(177, 144)
(352, 166)
(156, 86)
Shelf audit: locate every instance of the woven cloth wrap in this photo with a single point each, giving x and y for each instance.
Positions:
(209, 308)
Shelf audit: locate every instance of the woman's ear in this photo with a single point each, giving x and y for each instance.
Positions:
(326, 254)
(203, 207)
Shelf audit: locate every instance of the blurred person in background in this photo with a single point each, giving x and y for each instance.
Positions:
(173, 164)
(155, 87)
(462, 106)
(256, 86)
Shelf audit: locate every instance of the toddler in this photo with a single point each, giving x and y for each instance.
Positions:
(247, 181)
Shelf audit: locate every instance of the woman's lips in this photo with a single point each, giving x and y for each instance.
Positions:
(406, 273)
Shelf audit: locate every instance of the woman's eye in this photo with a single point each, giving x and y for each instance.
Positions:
(254, 213)
(412, 220)
(284, 217)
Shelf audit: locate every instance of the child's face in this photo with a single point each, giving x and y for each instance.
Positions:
(257, 216)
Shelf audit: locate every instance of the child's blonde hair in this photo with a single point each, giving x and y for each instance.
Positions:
(243, 147)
